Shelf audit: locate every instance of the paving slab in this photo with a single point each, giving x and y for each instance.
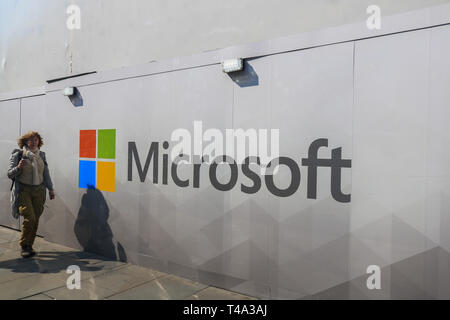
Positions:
(89, 267)
(12, 245)
(8, 254)
(30, 285)
(164, 288)
(89, 290)
(125, 278)
(8, 275)
(39, 296)
(10, 237)
(42, 262)
(212, 293)
(4, 240)
(8, 233)
(42, 245)
(44, 276)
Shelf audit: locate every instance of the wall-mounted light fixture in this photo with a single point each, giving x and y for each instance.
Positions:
(232, 65)
(68, 91)
(74, 96)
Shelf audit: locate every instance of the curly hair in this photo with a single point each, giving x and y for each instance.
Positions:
(22, 141)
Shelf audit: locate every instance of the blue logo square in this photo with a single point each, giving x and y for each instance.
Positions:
(86, 178)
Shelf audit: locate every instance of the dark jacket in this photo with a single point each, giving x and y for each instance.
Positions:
(14, 173)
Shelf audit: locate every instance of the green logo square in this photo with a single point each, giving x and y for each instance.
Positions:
(106, 144)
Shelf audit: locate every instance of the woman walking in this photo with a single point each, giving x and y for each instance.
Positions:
(29, 171)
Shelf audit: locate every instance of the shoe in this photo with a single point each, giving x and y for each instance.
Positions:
(32, 251)
(27, 251)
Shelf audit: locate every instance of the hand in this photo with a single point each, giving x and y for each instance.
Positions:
(52, 194)
(21, 164)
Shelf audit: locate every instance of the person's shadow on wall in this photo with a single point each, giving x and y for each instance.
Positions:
(92, 229)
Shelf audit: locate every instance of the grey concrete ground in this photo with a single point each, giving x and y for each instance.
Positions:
(44, 276)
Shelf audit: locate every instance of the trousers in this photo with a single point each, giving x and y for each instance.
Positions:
(31, 205)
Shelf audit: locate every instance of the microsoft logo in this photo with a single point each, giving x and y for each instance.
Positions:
(97, 159)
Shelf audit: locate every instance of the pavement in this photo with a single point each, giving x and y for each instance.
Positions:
(44, 276)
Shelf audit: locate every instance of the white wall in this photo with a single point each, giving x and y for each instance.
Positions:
(35, 44)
